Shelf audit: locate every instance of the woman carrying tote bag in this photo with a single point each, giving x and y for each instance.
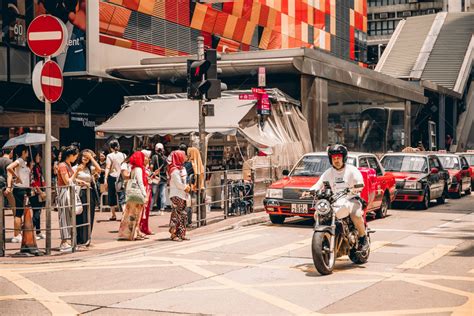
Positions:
(136, 198)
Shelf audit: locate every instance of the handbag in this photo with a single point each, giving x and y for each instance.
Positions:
(133, 192)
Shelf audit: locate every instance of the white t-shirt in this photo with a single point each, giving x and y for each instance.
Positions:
(115, 160)
(23, 173)
(178, 184)
(340, 179)
(84, 175)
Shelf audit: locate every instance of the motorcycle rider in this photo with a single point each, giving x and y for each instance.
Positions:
(340, 177)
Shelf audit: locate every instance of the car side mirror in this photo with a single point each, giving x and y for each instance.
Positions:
(286, 173)
(465, 168)
(434, 170)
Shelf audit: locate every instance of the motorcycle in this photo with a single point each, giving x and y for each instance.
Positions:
(333, 237)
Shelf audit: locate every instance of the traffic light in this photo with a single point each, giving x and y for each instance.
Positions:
(210, 87)
(196, 69)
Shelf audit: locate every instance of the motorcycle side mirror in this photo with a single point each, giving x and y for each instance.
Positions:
(434, 170)
(285, 173)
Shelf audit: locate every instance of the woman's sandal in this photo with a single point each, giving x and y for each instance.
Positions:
(175, 238)
(113, 218)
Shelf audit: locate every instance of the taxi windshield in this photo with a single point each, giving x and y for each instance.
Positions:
(311, 166)
(314, 166)
(405, 164)
(450, 162)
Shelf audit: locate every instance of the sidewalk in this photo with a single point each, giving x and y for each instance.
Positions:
(104, 234)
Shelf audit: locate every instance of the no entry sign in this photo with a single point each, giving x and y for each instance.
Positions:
(48, 81)
(47, 36)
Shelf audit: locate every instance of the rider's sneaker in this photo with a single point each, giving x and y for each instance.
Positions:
(364, 243)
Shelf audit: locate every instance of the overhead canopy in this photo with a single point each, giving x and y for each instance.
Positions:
(174, 114)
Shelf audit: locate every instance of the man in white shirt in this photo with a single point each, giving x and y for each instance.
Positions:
(112, 172)
(340, 177)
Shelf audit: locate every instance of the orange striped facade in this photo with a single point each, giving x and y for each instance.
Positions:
(170, 27)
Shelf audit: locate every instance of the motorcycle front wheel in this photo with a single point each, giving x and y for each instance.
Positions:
(320, 247)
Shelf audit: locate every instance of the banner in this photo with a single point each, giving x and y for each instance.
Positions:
(73, 14)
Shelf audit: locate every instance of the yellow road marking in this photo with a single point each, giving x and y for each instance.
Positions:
(273, 300)
(424, 311)
(219, 243)
(52, 302)
(426, 258)
(280, 250)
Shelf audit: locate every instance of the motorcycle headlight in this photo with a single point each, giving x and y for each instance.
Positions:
(414, 185)
(274, 193)
(323, 207)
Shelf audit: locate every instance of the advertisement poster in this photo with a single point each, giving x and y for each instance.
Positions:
(73, 14)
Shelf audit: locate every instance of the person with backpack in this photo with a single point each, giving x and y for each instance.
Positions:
(112, 172)
(159, 179)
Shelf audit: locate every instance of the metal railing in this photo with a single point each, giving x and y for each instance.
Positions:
(48, 229)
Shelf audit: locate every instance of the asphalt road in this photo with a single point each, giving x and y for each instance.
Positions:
(421, 263)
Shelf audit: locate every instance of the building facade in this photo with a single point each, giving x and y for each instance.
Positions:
(383, 17)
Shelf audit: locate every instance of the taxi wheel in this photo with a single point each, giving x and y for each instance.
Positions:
(382, 212)
(442, 198)
(425, 204)
(468, 191)
(457, 194)
(277, 219)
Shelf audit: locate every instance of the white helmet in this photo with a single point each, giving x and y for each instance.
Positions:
(159, 146)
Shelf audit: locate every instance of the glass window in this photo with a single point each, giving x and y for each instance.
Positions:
(363, 163)
(404, 163)
(434, 163)
(375, 165)
(450, 162)
(311, 166)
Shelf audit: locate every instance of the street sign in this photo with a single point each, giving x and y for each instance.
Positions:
(261, 77)
(36, 81)
(51, 81)
(47, 36)
(258, 90)
(263, 104)
(247, 96)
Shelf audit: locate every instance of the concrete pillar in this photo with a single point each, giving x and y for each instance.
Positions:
(455, 121)
(407, 123)
(314, 99)
(441, 121)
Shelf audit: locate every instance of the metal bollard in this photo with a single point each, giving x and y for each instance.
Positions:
(226, 195)
(72, 201)
(89, 210)
(2, 225)
(198, 208)
(48, 208)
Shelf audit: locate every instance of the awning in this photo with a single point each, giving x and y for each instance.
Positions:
(162, 115)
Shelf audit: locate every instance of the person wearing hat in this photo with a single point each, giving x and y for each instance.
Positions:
(159, 178)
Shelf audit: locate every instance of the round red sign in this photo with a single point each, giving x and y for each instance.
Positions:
(51, 81)
(47, 36)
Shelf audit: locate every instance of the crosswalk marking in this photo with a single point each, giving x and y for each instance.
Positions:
(280, 250)
(426, 258)
(211, 245)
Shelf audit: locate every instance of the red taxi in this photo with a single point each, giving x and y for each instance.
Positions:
(283, 196)
(469, 155)
(420, 177)
(459, 172)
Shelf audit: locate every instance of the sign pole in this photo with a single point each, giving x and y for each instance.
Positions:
(201, 215)
(47, 153)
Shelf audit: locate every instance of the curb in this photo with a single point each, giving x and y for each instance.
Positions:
(246, 222)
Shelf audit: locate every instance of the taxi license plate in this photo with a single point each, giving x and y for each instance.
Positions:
(299, 208)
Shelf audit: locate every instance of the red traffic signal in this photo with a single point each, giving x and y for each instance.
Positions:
(198, 68)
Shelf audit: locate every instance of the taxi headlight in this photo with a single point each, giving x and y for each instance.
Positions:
(414, 185)
(323, 207)
(274, 193)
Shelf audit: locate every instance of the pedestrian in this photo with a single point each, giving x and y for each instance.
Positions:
(144, 221)
(135, 199)
(38, 197)
(66, 178)
(18, 182)
(448, 142)
(112, 171)
(6, 159)
(102, 164)
(195, 176)
(178, 195)
(159, 164)
(85, 179)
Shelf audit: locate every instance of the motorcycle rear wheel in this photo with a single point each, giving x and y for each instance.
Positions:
(321, 255)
